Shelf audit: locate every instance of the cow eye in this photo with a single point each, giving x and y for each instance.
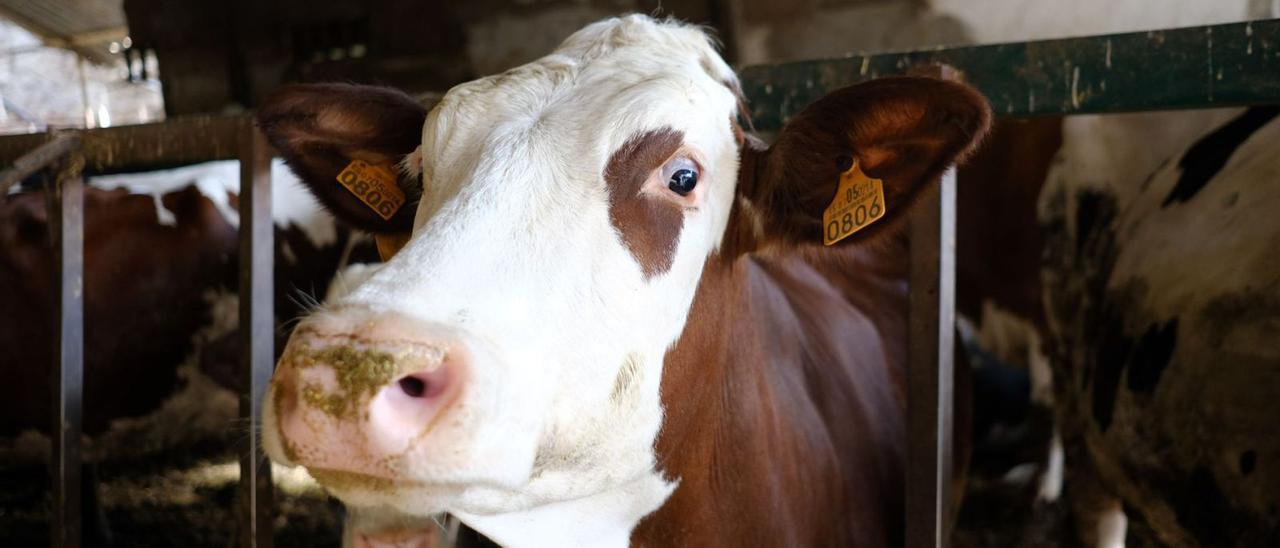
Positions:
(681, 175)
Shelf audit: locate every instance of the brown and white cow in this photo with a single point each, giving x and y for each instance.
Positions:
(161, 256)
(615, 320)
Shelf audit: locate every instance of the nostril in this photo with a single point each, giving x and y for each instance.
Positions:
(413, 386)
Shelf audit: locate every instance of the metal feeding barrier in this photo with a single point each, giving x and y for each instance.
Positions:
(1214, 66)
(176, 142)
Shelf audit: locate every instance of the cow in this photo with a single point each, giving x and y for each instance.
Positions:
(614, 319)
(1133, 315)
(1113, 250)
(161, 351)
(1161, 283)
(161, 254)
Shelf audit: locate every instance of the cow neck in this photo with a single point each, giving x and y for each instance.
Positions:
(771, 441)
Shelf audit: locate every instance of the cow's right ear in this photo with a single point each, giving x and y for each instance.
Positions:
(362, 133)
(862, 154)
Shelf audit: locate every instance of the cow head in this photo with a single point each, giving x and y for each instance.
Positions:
(510, 354)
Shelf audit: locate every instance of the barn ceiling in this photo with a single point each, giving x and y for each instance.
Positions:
(85, 26)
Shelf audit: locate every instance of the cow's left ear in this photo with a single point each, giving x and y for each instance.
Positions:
(903, 131)
(346, 142)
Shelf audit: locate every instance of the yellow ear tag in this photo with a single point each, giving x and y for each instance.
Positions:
(375, 186)
(859, 202)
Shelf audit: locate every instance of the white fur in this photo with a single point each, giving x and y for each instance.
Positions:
(1054, 471)
(291, 204)
(602, 520)
(513, 250)
(1113, 525)
(347, 279)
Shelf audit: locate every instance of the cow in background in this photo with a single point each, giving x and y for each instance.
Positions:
(161, 256)
(1152, 274)
(1161, 285)
(1150, 262)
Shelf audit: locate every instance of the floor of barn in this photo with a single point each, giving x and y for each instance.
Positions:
(170, 479)
(177, 498)
(165, 479)
(187, 498)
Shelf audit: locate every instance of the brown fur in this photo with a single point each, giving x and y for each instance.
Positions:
(997, 236)
(784, 419)
(785, 396)
(903, 130)
(142, 300)
(649, 226)
(145, 286)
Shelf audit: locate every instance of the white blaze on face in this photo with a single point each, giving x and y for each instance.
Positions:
(519, 250)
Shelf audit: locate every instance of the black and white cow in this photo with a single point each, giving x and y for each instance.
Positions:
(1162, 288)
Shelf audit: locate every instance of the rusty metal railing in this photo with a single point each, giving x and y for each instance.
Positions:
(176, 142)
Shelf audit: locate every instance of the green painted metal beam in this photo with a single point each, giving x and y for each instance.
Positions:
(1198, 67)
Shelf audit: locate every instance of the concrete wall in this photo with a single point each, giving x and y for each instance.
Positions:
(220, 55)
(814, 29)
(43, 87)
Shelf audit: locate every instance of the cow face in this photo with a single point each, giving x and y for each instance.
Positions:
(509, 355)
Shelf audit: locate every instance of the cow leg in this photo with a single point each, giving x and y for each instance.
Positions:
(1097, 514)
(1112, 526)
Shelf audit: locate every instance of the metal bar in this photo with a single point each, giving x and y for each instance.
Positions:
(68, 366)
(1200, 67)
(931, 328)
(257, 331)
(35, 160)
(178, 141)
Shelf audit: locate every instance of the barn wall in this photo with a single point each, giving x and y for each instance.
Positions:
(814, 28)
(218, 56)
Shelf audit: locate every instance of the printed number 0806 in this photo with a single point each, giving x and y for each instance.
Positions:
(370, 195)
(853, 219)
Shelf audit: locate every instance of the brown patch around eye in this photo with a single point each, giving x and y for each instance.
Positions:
(650, 226)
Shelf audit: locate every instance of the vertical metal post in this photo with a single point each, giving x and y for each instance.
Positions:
(68, 366)
(257, 331)
(931, 328)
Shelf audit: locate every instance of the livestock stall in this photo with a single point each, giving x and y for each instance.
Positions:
(1221, 65)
